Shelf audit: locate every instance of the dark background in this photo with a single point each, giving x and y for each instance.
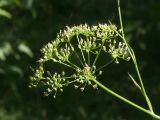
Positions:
(33, 23)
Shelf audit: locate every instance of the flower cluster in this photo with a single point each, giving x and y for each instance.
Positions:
(104, 31)
(90, 42)
(120, 51)
(117, 50)
(54, 82)
(38, 75)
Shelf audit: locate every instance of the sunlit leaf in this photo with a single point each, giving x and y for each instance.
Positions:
(3, 3)
(29, 3)
(5, 50)
(5, 13)
(25, 49)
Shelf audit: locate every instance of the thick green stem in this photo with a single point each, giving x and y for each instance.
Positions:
(126, 100)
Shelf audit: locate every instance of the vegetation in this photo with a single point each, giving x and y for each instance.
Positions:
(80, 55)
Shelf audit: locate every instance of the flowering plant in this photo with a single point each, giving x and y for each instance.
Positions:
(85, 44)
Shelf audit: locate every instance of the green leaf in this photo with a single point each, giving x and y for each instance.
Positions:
(5, 50)
(25, 49)
(29, 3)
(3, 3)
(17, 70)
(5, 13)
(17, 2)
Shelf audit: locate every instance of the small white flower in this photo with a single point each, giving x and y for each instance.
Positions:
(90, 42)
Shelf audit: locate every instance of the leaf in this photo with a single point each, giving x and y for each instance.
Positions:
(29, 3)
(17, 2)
(16, 70)
(5, 13)
(5, 50)
(3, 3)
(134, 81)
(25, 49)
(2, 56)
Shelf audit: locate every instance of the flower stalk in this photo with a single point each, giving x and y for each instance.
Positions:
(126, 100)
(131, 52)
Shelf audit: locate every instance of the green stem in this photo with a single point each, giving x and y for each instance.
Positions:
(131, 52)
(126, 100)
(65, 64)
(76, 67)
(120, 18)
(143, 89)
(134, 61)
(81, 50)
(79, 58)
(105, 65)
(88, 58)
(77, 55)
(95, 60)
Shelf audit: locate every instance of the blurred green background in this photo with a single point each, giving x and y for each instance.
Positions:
(27, 25)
